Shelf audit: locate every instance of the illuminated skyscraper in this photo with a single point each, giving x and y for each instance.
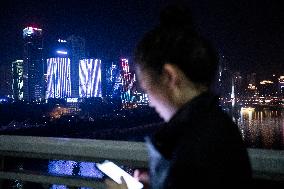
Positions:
(76, 46)
(33, 73)
(90, 78)
(128, 79)
(17, 74)
(267, 88)
(113, 81)
(281, 85)
(238, 84)
(62, 49)
(58, 78)
(224, 79)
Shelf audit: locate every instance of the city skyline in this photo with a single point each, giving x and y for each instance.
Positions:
(248, 34)
(242, 82)
(74, 48)
(77, 45)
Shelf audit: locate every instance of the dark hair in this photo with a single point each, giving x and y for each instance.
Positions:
(175, 41)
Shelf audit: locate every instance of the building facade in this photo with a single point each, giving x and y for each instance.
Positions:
(33, 69)
(128, 80)
(113, 81)
(281, 86)
(18, 83)
(5, 80)
(90, 78)
(58, 78)
(77, 51)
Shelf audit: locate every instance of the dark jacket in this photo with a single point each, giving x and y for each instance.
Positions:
(200, 144)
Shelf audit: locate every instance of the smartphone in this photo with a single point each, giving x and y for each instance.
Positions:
(115, 172)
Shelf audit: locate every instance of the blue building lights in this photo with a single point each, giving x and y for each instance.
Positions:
(61, 52)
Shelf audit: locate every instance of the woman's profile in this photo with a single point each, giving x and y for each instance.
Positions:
(198, 143)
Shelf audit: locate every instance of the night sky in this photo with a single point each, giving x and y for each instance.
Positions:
(250, 34)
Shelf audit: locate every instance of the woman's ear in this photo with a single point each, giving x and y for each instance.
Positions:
(171, 75)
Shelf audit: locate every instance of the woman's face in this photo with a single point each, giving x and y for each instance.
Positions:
(157, 92)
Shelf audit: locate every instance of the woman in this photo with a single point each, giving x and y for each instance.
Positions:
(199, 143)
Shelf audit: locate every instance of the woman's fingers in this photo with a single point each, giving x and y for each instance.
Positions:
(110, 184)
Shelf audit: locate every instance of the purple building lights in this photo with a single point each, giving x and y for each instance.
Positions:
(128, 80)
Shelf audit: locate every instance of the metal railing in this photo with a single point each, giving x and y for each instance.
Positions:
(266, 164)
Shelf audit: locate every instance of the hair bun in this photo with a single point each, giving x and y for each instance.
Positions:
(177, 16)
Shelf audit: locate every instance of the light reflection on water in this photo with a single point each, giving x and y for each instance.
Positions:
(262, 129)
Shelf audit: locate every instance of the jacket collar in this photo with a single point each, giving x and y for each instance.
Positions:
(196, 106)
(168, 135)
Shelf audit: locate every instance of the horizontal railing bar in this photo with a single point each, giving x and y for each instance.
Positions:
(127, 162)
(77, 149)
(266, 164)
(44, 179)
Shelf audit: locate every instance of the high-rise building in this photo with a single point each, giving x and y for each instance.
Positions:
(224, 88)
(58, 78)
(225, 83)
(113, 81)
(251, 79)
(90, 78)
(267, 88)
(5, 80)
(281, 85)
(18, 83)
(128, 79)
(251, 85)
(77, 52)
(61, 49)
(33, 73)
(238, 84)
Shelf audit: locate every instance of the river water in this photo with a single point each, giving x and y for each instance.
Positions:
(262, 128)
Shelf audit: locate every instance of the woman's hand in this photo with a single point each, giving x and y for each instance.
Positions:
(143, 177)
(113, 185)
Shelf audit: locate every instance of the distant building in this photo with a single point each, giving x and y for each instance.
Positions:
(77, 51)
(90, 78)
(33, 70)
(251, 90)
(281, 85)
(58, 78)
(238, 84)
(224, 79)
(128, 79)
(5, 80)
(18, 83)
(113, 81)
(267, 88)
(251, 85)
(225, 82)
(61, 49)
(251, 79)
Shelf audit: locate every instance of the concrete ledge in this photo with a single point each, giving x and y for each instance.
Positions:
(266, 164)
(128, 153)
(44, 179)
